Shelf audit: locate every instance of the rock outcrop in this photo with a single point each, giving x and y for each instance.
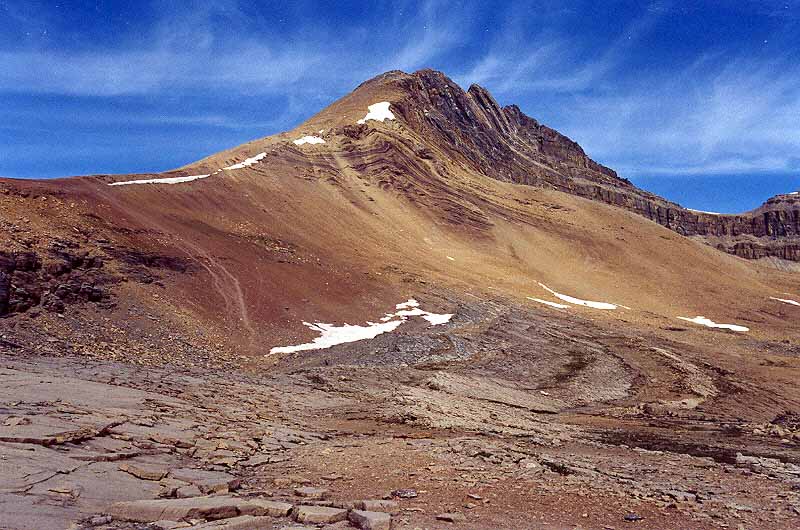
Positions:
(505, 144)
(64, 277)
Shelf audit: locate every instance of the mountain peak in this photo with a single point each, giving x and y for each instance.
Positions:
(472, 127)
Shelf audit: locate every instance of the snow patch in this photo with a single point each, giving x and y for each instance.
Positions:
(433, 318)
(785, 301)
(578, 301)
(331, 334)
(309, 140)
(378, 112)
(551, 304)
(247, 162)
(703, 321)
(405, 305)
(170, 180)
(703, 211)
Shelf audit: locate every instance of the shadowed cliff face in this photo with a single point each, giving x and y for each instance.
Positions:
(505, 144)
(500, 142)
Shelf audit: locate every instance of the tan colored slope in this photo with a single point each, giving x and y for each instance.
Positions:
(354, 243)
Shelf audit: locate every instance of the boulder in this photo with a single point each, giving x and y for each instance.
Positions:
(366, 520)
(378, 505)
(145, 511)
(319, 514)
(311, 493)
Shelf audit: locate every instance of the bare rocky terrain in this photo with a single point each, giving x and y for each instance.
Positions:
(141, 389)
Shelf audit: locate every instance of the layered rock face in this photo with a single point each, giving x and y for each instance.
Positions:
(505, 144)
(64, 277)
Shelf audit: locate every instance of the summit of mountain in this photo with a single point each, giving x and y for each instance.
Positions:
(469, 131)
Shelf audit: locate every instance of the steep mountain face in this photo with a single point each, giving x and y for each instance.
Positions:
(500, 142)
(505, 144)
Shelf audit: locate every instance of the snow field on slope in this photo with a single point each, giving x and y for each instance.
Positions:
(785, 301)
(332, 335)
(378, 112)
(169, 180)
(703, 321)
(247, 162)
(578, 301)
(309, 140)
(178, 180)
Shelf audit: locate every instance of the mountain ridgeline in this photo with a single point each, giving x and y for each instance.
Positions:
(505, 144)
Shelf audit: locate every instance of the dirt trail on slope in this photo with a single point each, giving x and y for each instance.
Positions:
(224, 282)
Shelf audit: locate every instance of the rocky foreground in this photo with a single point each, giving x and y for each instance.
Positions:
(99, 444)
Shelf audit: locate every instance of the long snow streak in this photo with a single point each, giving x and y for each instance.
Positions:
(170, 180)
(703, 321)
(331, 334)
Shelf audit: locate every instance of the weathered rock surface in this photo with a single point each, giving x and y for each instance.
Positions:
(368, 520)
(379, 505)
(311, 493)
(216, 507)
(243, 522)
(452, 517)
(206, 481)
(319, 514)
(504, 143)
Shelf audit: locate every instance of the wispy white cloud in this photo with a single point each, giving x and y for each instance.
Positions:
(433, 29)
(722, 111)
(200, 49)
(552, 61)
(719, 115)
(112, 73)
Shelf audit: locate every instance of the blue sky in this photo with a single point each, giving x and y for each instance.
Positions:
(698, 101)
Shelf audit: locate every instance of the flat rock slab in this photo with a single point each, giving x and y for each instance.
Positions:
(34, 388)
(170, 525)
(144, 472)
(26, 511)
(243, 522)
(378, 505)
(186, 492)
(23, 466)
(207, 481)
(452, 517)
(207, 507)
(47, 434)
(366, 520)
(260, 507)
(311, 493)
(145, 511)
(319, 514)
